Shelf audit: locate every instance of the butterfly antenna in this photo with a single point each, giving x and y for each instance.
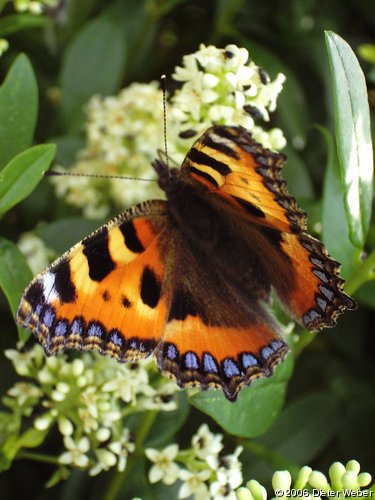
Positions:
(163, 80)
(52, 173)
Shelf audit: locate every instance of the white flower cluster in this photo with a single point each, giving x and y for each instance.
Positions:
(224, 86)
(124, 133)
(89, 400)
(206, 474)
(202, 470)
(37, 254)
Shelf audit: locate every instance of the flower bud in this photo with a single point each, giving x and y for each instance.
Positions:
(281, 480)
(318, 480)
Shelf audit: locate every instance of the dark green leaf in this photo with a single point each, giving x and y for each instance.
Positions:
(296, 173)
(18, 109)
(19, 178)
(292, 109)
(353, 136)
(357, 433)
(335, 230)
(291, 435)
(168, 423)
(93, 64)
(9, 429)
(67, 149)
(15, 274)
(64, 233)
(256, 408)
(17, 22)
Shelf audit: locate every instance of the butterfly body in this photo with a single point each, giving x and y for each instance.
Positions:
(186, 279)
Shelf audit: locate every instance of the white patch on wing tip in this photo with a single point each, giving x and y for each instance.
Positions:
(49, 290)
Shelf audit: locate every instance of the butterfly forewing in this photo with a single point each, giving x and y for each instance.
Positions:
(106, 293)
(232, 165)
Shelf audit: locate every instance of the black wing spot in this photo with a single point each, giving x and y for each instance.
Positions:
(130, 237)
(64, 285)
(35, 294)
(98, 256)
(150, 288)
(125, 302)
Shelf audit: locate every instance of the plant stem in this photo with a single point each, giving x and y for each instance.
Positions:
(365, 272)
(119, 477)
(39, 457)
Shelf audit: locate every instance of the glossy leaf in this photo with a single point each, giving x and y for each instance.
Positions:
(335, 229)
(256, 408)
(15, 274)
(93, 64)
(291, 436)
(296, 174)
(353, 136)
(18, 109)
(62, 234)
(167, 424)
(19, 178)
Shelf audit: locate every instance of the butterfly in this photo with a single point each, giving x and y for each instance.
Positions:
(187, 279)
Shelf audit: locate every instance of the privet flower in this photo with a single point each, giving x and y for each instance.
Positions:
(37, 254)
(125, 132)
(84, 401)
(202, 470)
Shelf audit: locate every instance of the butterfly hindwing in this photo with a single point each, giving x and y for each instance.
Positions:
(214, 335)
(106, 292)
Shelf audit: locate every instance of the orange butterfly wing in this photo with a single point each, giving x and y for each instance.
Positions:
(134, 287)
(106, 292)
(231, 165)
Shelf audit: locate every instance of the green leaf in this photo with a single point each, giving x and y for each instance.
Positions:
(297, 175)
(256, 408)
(335, 230)
(292, 109)
(32, 438)
(353, 136)
(93, 64)
(62, 234)
(15, 274)
(291, 436)
(17, 22)
(19, 178)
(18, 109)
(60, 474)
(167, 424)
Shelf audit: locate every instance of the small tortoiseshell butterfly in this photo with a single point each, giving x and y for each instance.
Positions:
(185, 279)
